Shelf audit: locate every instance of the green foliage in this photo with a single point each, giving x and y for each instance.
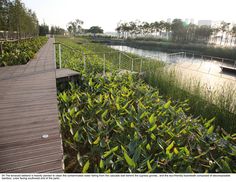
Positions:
(21, 52)
(16, 17)
(120, 124)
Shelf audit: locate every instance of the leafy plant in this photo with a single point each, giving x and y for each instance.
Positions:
(120, 124)
(15, 53)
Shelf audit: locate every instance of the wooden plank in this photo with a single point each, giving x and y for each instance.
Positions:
(64, 72)
(228, 69)
(28, 110)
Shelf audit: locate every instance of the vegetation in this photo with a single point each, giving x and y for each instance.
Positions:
(94, 30)
(56, 30)
(204, 102)
(178, 31)
(16, 17)
(43, 29)
(14, 53)
(75, 27)
(117, 123)
(168, 46)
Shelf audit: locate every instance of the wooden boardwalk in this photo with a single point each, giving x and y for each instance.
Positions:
(29, 125)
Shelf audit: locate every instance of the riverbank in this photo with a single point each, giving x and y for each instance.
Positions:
(197, 49)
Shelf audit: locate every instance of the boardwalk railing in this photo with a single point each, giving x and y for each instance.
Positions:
(117, 59)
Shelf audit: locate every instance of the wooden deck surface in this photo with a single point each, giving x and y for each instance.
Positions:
(64, 72)
(28, 110)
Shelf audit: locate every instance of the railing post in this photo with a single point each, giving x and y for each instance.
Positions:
(55, 57)
(59, 49)
(141, 64)
(84, 59)
(104, 64)
(119, 59)
(132, 68)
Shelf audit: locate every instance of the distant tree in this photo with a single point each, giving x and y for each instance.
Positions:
(43, 29)
(223, 28)
(52, 30)
(75, 27)
(233, 35)
(178, 29)
(118, 30)
(204, 32)
(95, 29)
(14, 16)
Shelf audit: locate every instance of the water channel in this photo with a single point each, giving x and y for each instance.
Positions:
(206, 71)
(206, 68)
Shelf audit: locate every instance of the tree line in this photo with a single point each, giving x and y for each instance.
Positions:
(17, 20)
(178, 31)
(75, 27)
(54, 30)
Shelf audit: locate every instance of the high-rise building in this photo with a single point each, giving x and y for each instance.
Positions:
(192, 21)
(204, 22)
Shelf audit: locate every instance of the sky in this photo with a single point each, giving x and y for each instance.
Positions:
(107, 13)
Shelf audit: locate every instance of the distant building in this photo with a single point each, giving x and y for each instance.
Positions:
(205, 22)
(192, 21)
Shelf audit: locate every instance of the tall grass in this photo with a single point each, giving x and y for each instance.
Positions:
(204, 102)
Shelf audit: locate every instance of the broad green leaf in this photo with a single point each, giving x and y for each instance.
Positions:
(210, 130)
(152, 128)
(148, 147)
(132, 125)
(144, 114)
(170, 146)
(107, 153)
(104, 114)
(118, 103)
(97, 140)
(64, 97)
(149, 165)
(152, 119)
(101, 164)
(72, 112)
(126, 105)
(208, 123)
(129, 160)
(189, 169)
(123, 148)
(186, 151)
(153, 136)
(167, 105)
(120, 126)
(86, 167)
(90, 101)
(91, 82)
(176, 151)
(76, 136)
(108, 171)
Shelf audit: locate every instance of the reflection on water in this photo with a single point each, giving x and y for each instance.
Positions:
(206, 71)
